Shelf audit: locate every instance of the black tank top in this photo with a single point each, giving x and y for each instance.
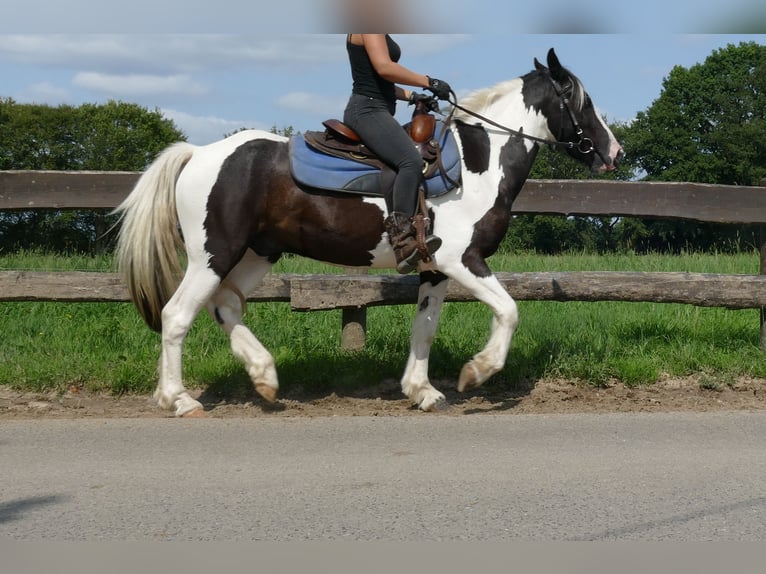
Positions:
(367, 82)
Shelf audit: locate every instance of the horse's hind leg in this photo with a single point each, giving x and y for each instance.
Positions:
(415, 383)
(198, 285)
(227, 307)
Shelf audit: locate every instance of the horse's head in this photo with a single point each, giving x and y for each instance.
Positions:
(561, 98)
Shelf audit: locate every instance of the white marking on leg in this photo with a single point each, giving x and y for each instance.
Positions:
(226, 308)
(491, 359)
(179, 313)
(415, 383)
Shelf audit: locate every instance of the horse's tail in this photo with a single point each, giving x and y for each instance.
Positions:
(149, 240)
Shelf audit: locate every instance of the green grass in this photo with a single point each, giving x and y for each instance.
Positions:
(107, 347)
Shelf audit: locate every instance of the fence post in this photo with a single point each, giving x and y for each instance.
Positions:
(353, 336)
(763, 272)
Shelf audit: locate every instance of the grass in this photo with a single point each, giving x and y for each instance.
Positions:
(100, 346)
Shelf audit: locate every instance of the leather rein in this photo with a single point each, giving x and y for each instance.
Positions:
(584, 144)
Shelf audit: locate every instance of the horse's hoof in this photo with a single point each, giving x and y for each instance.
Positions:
(195, 414)
(268, 393)
(469, 378)
(434, 404)
(439, 406)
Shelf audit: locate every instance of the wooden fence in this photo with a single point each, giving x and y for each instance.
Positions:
(22, 190)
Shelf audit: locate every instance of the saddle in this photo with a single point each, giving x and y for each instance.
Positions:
(341, 141)
(337, 160)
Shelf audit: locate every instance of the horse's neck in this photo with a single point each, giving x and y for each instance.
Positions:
(511, 111)
(511, 156)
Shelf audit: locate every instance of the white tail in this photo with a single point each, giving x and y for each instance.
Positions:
(149, 239)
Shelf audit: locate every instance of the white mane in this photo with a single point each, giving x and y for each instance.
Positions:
(480, 100)
(577, 97)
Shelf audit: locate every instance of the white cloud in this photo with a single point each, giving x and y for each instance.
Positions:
(44, 93)
(168, 53)
(313, 104)
(138, 84)
(77, 16)
(201, 130)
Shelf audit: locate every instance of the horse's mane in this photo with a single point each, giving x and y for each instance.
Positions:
(481, 99)
(577, 96)
(485, 97)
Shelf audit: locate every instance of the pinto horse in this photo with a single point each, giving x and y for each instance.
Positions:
(234, 207)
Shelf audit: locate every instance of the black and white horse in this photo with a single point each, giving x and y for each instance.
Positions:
(235, 209)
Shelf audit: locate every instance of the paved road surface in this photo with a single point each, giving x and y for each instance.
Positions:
(538, 477)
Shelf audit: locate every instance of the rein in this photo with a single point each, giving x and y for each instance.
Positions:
(584, 145)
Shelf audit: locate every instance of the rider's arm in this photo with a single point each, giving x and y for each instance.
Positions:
(377, 50)
(402, 94)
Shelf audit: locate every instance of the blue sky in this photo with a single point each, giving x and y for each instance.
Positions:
(211, 84)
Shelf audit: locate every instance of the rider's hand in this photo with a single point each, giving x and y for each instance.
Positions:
(430, 102)
(440, 88)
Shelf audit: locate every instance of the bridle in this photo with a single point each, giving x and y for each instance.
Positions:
(584, 145)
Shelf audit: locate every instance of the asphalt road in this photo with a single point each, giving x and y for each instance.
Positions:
(674, 477)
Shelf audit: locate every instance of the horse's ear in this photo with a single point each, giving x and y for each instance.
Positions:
(539, 66)
(557, 70)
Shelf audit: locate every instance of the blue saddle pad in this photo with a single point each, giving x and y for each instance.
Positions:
(321, 171)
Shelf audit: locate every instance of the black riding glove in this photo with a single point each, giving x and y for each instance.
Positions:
(440, 88)
(431, 103)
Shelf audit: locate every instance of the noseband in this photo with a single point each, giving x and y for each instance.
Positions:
(584, 144)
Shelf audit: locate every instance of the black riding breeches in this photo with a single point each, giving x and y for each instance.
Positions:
(373, 120)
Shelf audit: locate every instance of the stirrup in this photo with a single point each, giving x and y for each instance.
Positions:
(410, 263)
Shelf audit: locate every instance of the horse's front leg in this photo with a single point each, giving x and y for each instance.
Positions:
(415, 383)
(487, 289)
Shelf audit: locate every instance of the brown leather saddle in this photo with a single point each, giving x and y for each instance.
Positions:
(341, 141)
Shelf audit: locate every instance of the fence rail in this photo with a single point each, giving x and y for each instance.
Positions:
(23, 190)
(325, 292)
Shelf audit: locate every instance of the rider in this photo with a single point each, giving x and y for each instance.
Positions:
(375, 70)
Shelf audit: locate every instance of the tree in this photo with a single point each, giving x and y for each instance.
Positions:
(115, 136)
(709, 123)
(707, 126)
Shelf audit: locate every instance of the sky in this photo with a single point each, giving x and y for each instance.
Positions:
(214, 67)
(212, 84)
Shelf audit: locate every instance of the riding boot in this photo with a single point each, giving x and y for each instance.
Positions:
(401, 235)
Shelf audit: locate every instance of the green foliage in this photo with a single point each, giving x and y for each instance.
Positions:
(287, 131)
(708, 126)
(709, 123)
(115, 136)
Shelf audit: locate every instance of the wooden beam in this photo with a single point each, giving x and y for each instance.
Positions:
(90, 287)
(704, 290)
(65, 189)
(353, 330)
(702, 202)
(323, 292)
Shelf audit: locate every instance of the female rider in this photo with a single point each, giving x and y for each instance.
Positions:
(370, 113)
